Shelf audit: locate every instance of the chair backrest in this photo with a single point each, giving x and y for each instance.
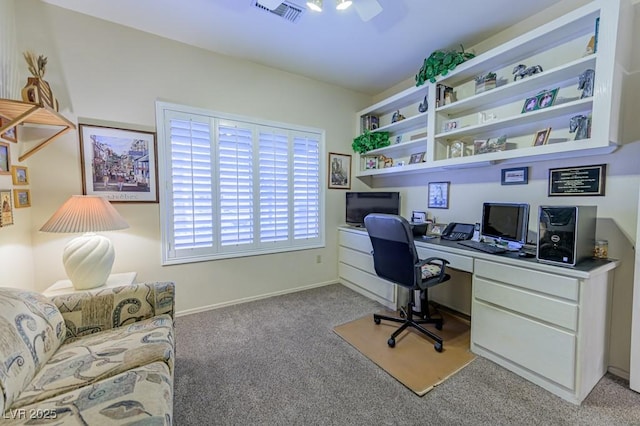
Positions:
(394, 252)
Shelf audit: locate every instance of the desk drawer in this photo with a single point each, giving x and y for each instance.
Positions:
(550, 310)
(462, 263)
(356, 259)
(368, 282)
(356, 241)
(544, 282)
(540, 348)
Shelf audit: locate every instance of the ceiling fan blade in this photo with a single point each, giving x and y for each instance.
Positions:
(367, 9)
(270, 4)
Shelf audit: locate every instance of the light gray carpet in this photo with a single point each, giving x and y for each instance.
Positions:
(278, 362)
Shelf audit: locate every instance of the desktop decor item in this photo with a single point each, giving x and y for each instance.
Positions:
(11, 134)
(541, 137)
(370, 122)
(339, 171)
(119, 164)
(416, 158)
(581, 126)
(577, 181)
(397, 117)
(20, 175)
(585, 83)
(6, 211)
(21, 198)
(546, 98)
(386, 161)
(87, 259)
(450, 125)
(418, 217)
(522, 71)
(438, 195)
(424, 105)
(370, 163)
(515, 176)
(5, 159)
(530, 104)
(458, 148)
(484, 146)
(486, 82)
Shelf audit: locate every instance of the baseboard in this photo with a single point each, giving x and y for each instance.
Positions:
(251, 299)
(618, 372)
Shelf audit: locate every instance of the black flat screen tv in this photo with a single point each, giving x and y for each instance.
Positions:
(360, 204)
(505, 221)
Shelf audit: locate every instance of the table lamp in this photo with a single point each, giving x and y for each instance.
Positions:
(87, 259)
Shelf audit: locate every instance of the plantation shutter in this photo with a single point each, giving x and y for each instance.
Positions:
(273, 167)
(306, 186)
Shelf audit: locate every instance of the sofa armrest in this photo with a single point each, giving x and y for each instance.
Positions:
(96, 310)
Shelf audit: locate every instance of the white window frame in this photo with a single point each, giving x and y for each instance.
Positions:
(164, 113)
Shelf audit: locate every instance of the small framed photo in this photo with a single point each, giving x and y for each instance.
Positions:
(370, 163)
(450, 125)
(119, 164)
(547, 98)
(438, 195)
(418, 217)
(5, 159)
(20, 175)
(541, 137)
(6, 211)
(530, 104)
(21, 198)
(10, 134)
(416, 158)
(515, 176)
(339, 171)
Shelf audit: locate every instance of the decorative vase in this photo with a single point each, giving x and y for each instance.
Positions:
(37, 91)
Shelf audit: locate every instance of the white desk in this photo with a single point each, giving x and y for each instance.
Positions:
(546, 323)
(114, 280)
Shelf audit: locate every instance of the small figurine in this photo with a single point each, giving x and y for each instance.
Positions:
(585, 82)
(522, 71)
(424, 106)
(579, 124)
(386, 161)
(397, 117)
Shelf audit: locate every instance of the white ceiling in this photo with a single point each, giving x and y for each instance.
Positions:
(332, 46)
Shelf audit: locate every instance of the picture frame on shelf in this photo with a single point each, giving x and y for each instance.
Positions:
(21, 198)
(450, 125)
(515, 176)
(370, 162)
(547, 98)
(6, 209)
(541, 137)
(339, 171)
(119, 164)
(438, 195)
(20, 175)
(416, 158)
(530, 104)
(11, 134)
(370, 122)
(5, 159)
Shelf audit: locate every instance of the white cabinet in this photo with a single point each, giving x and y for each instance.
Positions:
(559, 47)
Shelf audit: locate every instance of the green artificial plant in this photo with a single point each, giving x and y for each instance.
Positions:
(440, 62)
(370, 140)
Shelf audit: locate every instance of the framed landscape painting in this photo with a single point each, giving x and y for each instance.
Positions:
(119, 164)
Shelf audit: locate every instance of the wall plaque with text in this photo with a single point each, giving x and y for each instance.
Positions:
(586, 180)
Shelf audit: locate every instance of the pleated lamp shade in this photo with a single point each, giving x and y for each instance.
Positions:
(87, 259)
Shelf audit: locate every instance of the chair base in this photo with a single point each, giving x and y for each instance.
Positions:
(409, 321)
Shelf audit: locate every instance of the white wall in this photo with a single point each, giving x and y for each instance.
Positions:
(110, 74)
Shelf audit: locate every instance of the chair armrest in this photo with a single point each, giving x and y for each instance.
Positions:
(441, 263)
(92, 311)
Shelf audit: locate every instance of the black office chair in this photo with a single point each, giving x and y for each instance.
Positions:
(395, 259)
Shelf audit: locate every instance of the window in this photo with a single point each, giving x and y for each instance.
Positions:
(233, 186)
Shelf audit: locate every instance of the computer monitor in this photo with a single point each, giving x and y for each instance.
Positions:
(360, 204)
(505, 221)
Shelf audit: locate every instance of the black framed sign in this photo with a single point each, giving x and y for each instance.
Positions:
(578, 181)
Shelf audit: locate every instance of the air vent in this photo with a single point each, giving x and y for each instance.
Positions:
(286, 10)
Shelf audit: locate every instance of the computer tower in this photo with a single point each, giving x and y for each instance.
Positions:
(566, 234)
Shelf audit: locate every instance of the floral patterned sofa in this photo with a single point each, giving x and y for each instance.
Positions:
(101, 356)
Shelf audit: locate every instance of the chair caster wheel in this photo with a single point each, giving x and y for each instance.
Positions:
(392, 342)
(402, 314)
(376, 320)
(438, 346)
(439, 326)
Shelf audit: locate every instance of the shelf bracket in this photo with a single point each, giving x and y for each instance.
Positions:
(42, 144)
(19, 119)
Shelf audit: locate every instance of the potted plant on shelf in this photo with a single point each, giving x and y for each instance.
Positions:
(485, 82)
(440, 62)
(370, 140)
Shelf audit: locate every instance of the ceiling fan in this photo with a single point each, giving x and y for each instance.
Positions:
(367, 9)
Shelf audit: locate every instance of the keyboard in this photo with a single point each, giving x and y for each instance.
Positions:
(487, 248)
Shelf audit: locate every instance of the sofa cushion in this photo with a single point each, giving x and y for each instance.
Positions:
(102, 355)
(32, 329)
(140, 396)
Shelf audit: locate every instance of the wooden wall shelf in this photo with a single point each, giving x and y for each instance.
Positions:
(25, 113)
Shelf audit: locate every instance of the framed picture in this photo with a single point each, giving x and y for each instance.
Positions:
(418, 217)
(450, 125)
(515, 176)
(20, 175)
(21, 198)
(5, 159)
(416, 158)
(339, 171)
(438, 195)
(578, 181)
(547, 98)
(10, 134)
(370, 163)
(119, 164)
(530, 104)
(6, 212)
(541, 137)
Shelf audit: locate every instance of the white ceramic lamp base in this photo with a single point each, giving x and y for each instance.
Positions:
(88, 261)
